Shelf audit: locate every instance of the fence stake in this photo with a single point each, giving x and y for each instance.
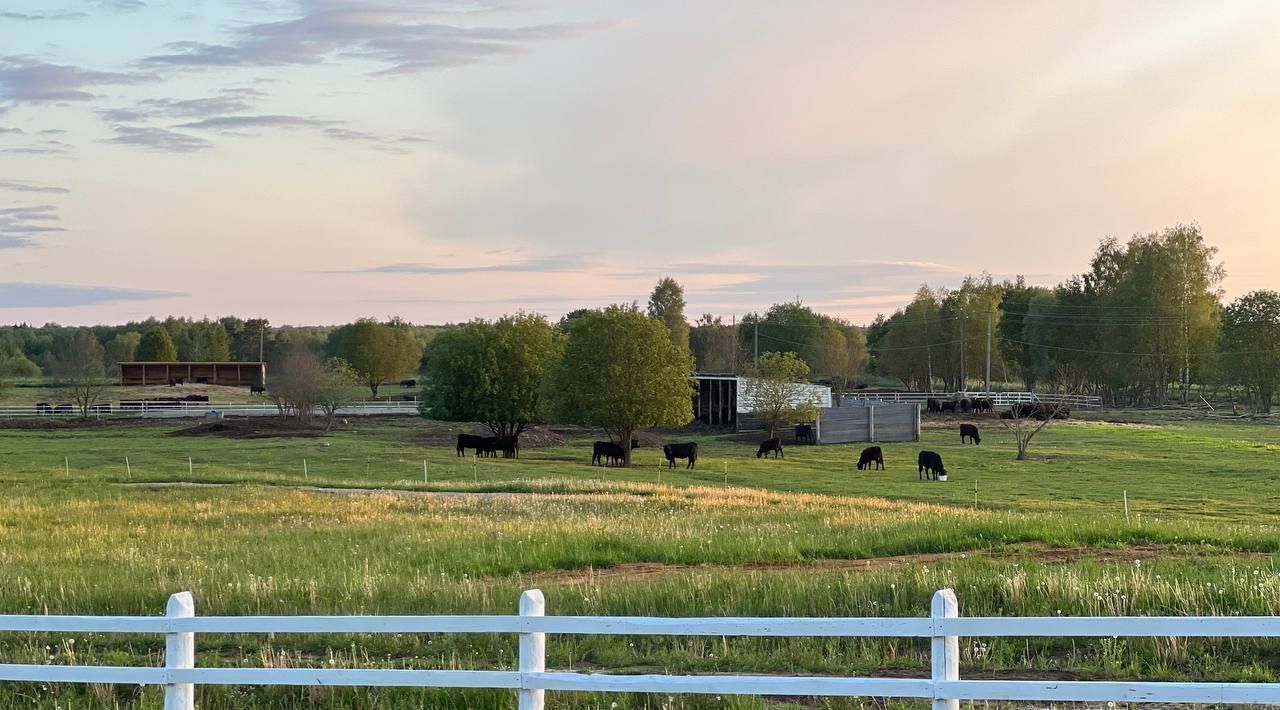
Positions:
(533, 650)
(306, 475)
(128, 470)
(180, 652)
(191, 469)
(1126, 506)
(475, 469)
(946, 649)
(424, 471)
(66, 464)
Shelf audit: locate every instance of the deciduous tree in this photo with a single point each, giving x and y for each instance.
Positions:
(666, 304)
(1251, 345)
(620, 371)
(157, 346)
(377, 352)
(777, 391)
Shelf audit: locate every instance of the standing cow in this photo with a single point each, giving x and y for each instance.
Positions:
(969, 432)
(681, 451)
(930, 466)
(871, 456)
(770, 446)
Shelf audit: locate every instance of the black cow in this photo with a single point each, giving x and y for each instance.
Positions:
(44, 408)
(509, 446)
(768, 446)
(970, 432)
(985, 404)
(257, 389)
(871, 456)
(470, 441)
(606, 452)
(202, 380)
(932, 405)
(681, 451)
(930, 466)
(175, 381)
(408, 384)
(947, 406)
(966, 405)
(804, 433)
(63, 409)
(100, 408)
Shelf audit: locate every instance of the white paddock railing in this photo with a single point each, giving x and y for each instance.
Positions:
(999, 399)
(187, 410)
(944, 627)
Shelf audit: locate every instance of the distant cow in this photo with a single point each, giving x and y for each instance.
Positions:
(470, 441)
(202, 380)
(63, 409)
(804, 433)
(932, 405)
(509, 446)
(681, 451)
(930, 466)
(966, 405)
(947, 406)
(985, 404)
(257, 389)
(605, 452)
(969, 432)
(871, 456)
(408, 384)
(175, 381)
(100, 408)
(768, 446)
(44, 408)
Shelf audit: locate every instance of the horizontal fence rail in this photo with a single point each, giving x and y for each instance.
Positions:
(999, 399)
(187, 410)
(943, 627)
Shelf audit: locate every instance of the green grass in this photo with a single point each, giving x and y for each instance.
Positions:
(776, 538)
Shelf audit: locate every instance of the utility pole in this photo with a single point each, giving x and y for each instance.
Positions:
(757, 337)
(964, 343)
(262, 336)
(990, 316)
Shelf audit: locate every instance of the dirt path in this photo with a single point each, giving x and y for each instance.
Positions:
(639, 571)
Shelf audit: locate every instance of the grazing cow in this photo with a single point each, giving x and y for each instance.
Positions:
(966, 405)
(408, 384)
(930, 466)
(490, 447)
(681, 451)
(509, 446)
(970, 432)
(257, 389)
(804, 433)
(63, 409)
(175, 381)
(947, 406)
(44, 408)
(871, 456)
(604, 452)
(768, 446)
(985, 404)
(470, 441)
(932, 405)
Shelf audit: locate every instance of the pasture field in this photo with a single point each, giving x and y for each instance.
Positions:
(808, 535)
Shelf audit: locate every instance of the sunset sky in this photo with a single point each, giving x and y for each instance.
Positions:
(315, 161)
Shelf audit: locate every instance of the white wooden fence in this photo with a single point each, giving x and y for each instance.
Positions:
(531, 679)
(999, 399)
(188, 410)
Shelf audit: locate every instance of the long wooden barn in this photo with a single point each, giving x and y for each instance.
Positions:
(235, 374)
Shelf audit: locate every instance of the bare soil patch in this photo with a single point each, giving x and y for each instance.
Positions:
(253, 428)
(639, 571)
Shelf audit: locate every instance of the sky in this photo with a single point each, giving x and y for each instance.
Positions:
(317, 161)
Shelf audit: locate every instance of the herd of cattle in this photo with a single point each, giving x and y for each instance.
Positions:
(929, 464)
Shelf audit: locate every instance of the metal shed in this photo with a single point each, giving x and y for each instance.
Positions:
(238, 374)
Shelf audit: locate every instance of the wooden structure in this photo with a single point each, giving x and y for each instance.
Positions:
(715, 399)
(234, 374)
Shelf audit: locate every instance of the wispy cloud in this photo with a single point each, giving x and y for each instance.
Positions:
(33, 295)
(120, 5)
(553, 264)
(22, 226)
(24, 186)
(403, 36)
(29, 80)
(43, 16)
(160, 139)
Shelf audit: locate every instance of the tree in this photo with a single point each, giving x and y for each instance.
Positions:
(491, 373)
(1250, 345)
(1025, 421)
(377, 352)
(714, 345)
(80, 374)
(786, 327)
(122, 348)
(157, 346)
(842, 351)
(620, 371)
(912, 346)
(777, 390)
(209, 342)
(666, 304)
(305, 383)
(1039, 333)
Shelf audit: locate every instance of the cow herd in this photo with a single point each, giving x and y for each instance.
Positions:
(964, 405)
(489, 446)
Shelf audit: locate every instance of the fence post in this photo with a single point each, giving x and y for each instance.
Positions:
(180, 652)
(533, 650)
(946, 649)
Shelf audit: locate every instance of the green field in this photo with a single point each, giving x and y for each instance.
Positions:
(82, 533)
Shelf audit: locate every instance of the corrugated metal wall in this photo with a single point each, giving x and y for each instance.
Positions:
(882, 422)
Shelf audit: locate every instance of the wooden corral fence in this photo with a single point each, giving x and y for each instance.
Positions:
(872, 421)
(530, 679)
(1000, 399)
